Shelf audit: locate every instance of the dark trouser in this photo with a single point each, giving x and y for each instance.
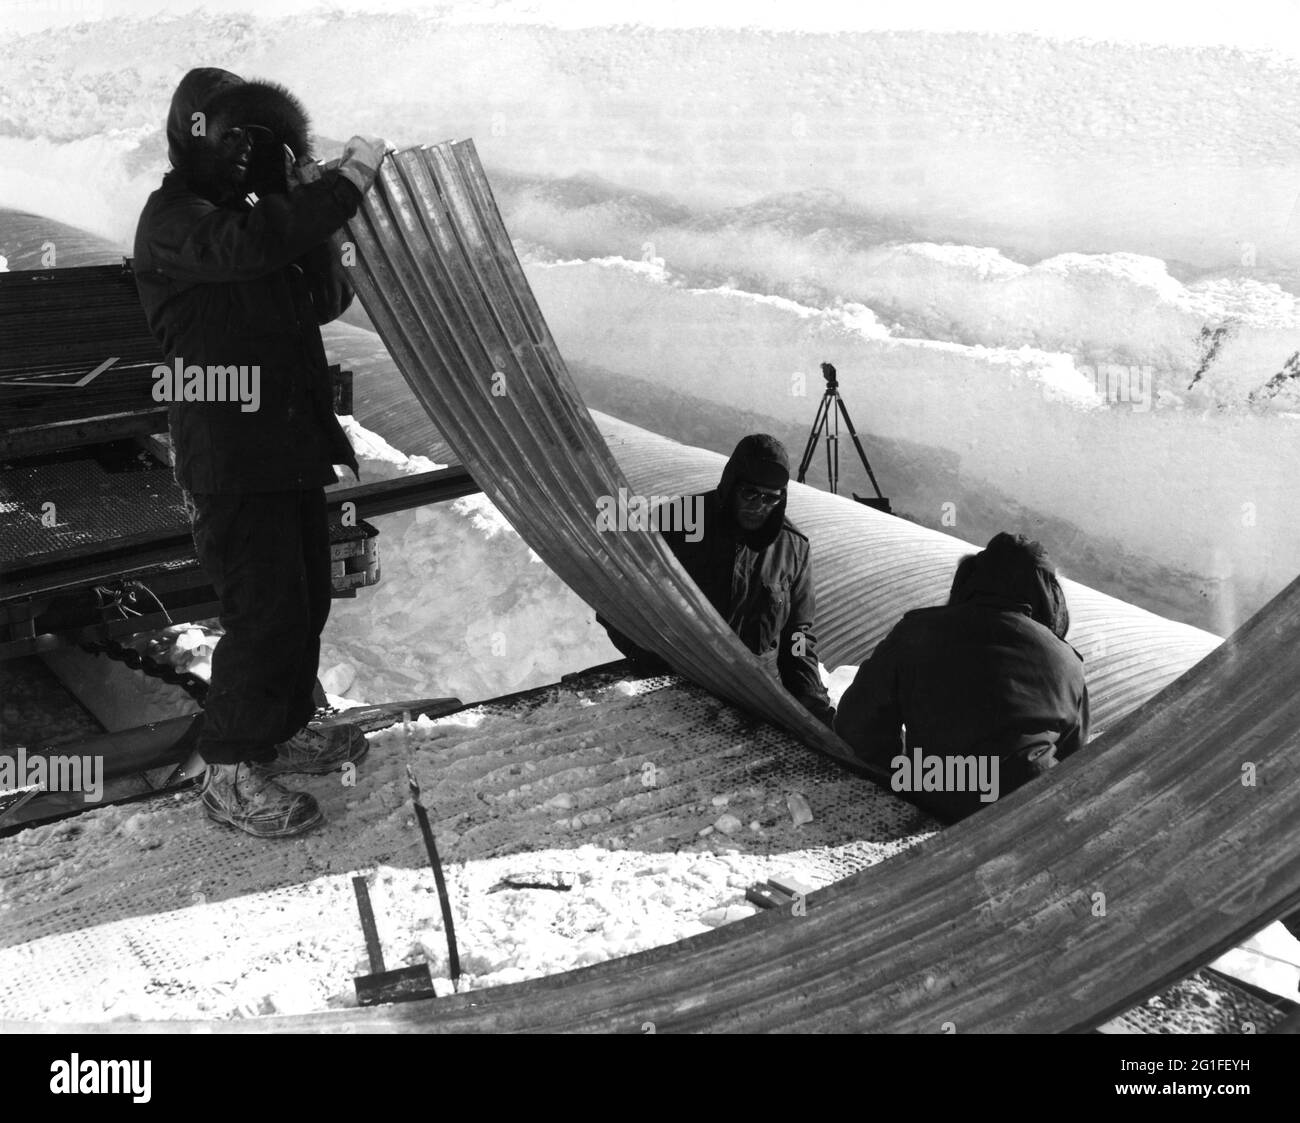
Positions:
(1018, 763)
(267, 555)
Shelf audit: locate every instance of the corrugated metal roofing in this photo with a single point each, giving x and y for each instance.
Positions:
(439, 279)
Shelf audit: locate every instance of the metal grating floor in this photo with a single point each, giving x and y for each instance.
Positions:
(128, 890)
(92, 508)
(154, 894)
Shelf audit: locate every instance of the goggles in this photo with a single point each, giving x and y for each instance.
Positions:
(753, 496)
(237, 136)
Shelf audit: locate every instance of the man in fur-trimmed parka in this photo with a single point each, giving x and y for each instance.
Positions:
(229, 280)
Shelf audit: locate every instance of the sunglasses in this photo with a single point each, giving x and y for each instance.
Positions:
(754, 496)
(237, 136)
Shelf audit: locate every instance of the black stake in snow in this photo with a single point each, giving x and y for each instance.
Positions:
(453, 957)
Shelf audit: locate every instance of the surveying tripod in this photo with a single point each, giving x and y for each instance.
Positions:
(831, 409)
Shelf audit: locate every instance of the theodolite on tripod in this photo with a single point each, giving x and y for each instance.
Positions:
(831, 408)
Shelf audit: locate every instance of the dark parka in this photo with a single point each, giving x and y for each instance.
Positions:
(760, 582)
(980, 675)
(227, 283)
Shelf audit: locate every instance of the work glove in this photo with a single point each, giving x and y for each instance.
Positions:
(362, 156)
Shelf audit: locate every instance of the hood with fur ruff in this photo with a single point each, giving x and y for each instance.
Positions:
(220, 95)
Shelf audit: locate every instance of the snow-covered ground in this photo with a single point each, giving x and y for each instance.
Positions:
(285, 961)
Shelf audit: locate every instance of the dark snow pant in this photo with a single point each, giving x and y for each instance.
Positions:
(1034, 755)
(267, 555)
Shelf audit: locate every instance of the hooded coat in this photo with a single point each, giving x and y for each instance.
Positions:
(759, 581)
(987, 674)
(228, 283)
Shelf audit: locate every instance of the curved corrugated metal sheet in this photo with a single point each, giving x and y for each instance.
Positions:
(439, 279)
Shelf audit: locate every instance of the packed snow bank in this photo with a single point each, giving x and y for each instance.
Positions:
(1050, 146)
(1117, 308)
(1129, 331)
(86, 183)
(463, 606)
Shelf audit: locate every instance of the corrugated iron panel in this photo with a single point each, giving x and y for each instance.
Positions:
(440, 280)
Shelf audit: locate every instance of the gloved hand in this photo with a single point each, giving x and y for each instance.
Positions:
(305, 170)
(362, 156)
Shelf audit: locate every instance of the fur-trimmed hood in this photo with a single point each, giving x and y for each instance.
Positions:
(220, 95)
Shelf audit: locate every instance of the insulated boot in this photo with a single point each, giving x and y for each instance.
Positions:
(245, 796)
(319, 749)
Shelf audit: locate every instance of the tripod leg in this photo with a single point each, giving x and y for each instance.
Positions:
(858, 444)
(818, 422)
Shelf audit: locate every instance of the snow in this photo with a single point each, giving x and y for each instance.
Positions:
(1178, 153)
(278, 958)
(1270, 959)
(464, 608)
